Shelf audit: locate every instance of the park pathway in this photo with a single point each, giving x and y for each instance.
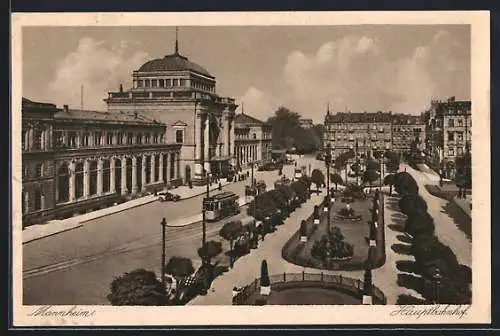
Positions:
(446, 228)
(247, 268)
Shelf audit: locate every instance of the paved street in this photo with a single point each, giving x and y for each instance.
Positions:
(76, 267)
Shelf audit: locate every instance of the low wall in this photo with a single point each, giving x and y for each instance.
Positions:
(341, 283)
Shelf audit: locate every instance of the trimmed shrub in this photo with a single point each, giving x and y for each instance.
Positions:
(264, 274)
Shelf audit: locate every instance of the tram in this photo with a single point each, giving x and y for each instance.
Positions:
(221, 205)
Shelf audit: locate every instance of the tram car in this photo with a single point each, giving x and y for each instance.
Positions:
(224, 204)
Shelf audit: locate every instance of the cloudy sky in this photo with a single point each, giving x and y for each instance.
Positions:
(356, 68)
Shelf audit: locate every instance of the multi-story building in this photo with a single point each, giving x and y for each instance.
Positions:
(253, 141)
(182, 95)
(406, 131)
(306, 123)
(38, 194)
(76, 160)
(449, 130)
(364, 133)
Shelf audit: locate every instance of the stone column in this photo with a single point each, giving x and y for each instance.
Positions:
(167, 178)
(231, 137)
(177, 165)
(143, 172)
(86, 179)
(42, 139)
(134, 175)
(227, 137)
(259, 152)
(206, 145)
(100, 166)
(26, 139)
(124, 175)
(152, 170)
(112, 167)
(160, 168)
(30, 136)
(72, 181)
(198, 167)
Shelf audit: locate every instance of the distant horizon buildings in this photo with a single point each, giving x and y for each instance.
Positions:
(370, 132)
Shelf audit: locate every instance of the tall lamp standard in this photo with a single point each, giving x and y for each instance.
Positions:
(381, 169)
(436, 276)
(328, 159)
(204, 213)
(163, 243)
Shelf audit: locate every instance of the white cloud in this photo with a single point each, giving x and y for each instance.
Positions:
(355, 73)
(257, 103)
(99, 67)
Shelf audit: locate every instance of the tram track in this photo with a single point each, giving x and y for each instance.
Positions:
(175, 237)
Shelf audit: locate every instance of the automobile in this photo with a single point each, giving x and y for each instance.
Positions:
(297, 175)
(165, 196)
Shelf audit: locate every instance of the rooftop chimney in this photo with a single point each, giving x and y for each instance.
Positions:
(66, 108)
(121, 88)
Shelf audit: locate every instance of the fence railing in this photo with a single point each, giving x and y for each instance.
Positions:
(335, 281)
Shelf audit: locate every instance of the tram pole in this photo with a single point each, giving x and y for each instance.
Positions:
(163, 243)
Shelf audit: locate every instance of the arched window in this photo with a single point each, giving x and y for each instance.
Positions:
(93, 178)
(106, 176)
(79, 176)
(38, 199)
(37, 138)
(148, 169)
(63, 175)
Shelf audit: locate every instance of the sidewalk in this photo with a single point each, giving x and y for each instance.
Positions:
(247, 268)
(446, 229)
(464, 204)
(386, 277)
(34, 232)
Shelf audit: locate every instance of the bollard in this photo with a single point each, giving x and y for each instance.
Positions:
(284, 277)
(303, 275)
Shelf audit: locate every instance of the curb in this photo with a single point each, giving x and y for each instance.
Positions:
(52, 234)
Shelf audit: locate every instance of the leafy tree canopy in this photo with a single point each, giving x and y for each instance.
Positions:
(137, 288)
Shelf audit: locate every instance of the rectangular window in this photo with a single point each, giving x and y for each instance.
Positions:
(451, 136)
(168, 82)
(148, 83)
(109, 139)
(139, 84)
(147, 138)
(72, 139)
(162, 82)
(139, 139)
(460, 122)
(460, 136)
(451, 151)
(39, 170)
(179, 136)
(97, 139)
(451, 123)
(130, 138)
(120, 138)
(176, 82)
(154, 83)
(460, 151)
(183, 82)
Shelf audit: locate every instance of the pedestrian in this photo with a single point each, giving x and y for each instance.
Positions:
(220, 186)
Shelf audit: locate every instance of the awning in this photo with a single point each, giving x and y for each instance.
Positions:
(221, 158)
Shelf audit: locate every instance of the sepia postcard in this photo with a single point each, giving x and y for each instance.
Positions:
(270, 168)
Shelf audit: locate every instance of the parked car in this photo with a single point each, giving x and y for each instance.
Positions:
(165, 196)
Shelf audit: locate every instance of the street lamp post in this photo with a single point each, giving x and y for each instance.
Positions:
(204, 214)
(381, 170)
(163, 243)
(328, 158)
(436, 276)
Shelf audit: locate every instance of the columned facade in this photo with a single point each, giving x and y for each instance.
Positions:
(77, 161)
(253, 141)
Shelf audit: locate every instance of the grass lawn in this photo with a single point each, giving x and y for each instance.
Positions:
(355, 233)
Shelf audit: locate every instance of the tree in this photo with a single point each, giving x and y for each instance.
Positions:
(137, 288)
(317, 178)
(372, 164)
(419, 223)
(179, 267)
(264, 274)
(300, 189)
(231, 231)
(211, 249)
(303, 228)
(287, 132)
(389, 180)
(370, 175)
(336, 179)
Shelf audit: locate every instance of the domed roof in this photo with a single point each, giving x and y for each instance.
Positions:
(173, 62)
